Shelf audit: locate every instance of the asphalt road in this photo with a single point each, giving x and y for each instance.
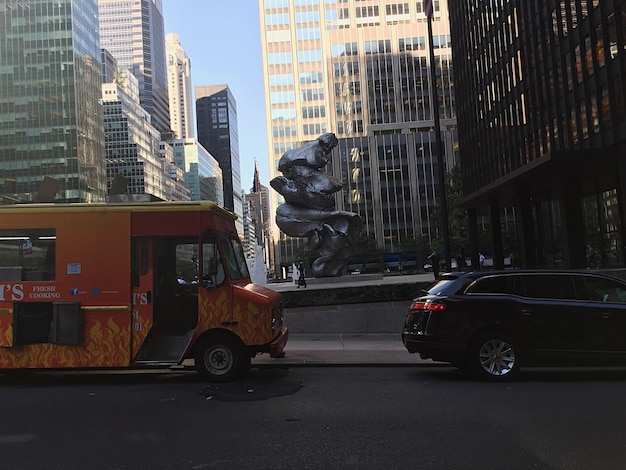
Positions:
(403, 417)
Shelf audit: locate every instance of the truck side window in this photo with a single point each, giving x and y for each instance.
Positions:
(27, 254)
(212, 268)
(187, 263)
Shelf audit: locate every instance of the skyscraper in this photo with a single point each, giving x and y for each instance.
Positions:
(50, 89)
(542, 127)
(202, 172)
(361, 71)
(216, 115)
(179, 88)
(133, 31)
(132, 142)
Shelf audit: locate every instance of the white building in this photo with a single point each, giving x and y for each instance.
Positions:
(179, 88)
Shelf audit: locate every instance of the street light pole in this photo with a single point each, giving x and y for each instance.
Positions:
(428, 9)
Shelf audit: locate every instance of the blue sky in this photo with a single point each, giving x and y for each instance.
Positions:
(223, 41)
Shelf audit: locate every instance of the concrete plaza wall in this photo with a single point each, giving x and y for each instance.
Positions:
(350, 309)
(374, 317)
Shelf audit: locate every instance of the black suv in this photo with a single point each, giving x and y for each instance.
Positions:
(491, 323)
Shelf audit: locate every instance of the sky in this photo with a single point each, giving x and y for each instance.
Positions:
(223, 42)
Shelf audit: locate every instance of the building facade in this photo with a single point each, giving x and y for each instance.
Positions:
(542, 128)
(361, 70)
(50, 111)
(216, 115)
(132, 142)
(179, 88)
(257, 202)
(134, 33)
(203, 175)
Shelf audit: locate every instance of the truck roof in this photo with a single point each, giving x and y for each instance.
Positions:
(160, 206)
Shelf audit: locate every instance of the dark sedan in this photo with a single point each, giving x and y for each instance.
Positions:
(492, 323)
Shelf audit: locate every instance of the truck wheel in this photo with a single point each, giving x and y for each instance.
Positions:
(221, 359)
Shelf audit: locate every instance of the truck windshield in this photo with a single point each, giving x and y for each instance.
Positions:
(234, 257)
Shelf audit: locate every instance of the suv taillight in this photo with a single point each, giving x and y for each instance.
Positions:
(427, 305)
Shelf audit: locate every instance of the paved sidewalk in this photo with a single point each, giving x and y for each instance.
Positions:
(343, 349)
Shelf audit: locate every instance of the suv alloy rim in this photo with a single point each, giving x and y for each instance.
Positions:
(496, 357)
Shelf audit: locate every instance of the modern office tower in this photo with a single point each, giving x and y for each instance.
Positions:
(542, 127)
(203, 175)
(216, 117)
(361, 70)
(133, 32)
(177, 190)
(179, 88)
(50, 111)
(131, 141)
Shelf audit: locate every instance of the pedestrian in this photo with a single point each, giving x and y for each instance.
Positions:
(460, 261)
(592, 257)
(301, 278)
(481, 260)
(434, 261)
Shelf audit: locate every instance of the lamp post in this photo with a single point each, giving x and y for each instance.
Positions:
(428, 10)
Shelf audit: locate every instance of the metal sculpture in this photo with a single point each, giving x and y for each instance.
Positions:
(309, 210)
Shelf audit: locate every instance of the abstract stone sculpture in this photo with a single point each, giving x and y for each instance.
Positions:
(309, 210)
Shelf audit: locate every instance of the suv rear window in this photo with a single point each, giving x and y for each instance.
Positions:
(489, 285)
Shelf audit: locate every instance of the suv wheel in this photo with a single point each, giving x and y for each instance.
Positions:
(495, 357)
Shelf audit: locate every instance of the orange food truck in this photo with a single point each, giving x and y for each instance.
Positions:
(129, 285)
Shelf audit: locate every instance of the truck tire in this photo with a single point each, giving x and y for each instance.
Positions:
(221, 358)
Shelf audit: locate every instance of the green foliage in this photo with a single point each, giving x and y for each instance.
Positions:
(457, 217)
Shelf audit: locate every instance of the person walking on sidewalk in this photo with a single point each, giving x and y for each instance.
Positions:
(301, 278)
(434, 261)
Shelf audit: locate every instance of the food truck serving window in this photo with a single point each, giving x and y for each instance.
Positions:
(27, 254)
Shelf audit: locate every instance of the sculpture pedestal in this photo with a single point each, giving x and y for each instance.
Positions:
(347, 278)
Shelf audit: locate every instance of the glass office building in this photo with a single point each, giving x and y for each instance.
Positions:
(216, 117)
(361, 70)
(542, 127)
(50, 89)
(134, 33)
(202, 172)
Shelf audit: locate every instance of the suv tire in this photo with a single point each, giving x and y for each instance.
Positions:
(495, 357)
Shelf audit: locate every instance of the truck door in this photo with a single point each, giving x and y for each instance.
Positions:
(215, 294)
(142, 278)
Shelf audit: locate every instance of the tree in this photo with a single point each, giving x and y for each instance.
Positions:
(457, 217)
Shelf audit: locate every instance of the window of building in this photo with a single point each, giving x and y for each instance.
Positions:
(313, 55)
(311, 112)
(378, 47)
(283, 114)
(277, 58)
(283, 79)
(311, 77)
(310, 16)
(605, 106)
(346, 69)
(274, 19)
(346, 49)
(313, 94)
(412, 44)
(307, 34)
(270, 4)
